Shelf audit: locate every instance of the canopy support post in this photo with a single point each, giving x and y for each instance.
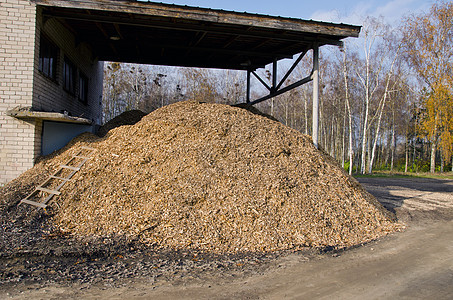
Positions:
(315, 77)
(274, 76)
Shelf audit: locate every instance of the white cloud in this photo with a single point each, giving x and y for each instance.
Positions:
(351, 16)
(392, 11)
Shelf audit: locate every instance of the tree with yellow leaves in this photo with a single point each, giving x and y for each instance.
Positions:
(428, 45)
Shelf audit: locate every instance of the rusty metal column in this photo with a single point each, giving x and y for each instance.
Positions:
(315, 77)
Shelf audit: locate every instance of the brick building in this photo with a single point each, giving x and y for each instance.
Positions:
(46, 76)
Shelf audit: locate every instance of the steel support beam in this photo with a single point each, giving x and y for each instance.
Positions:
(276, 89)
(315, 76)
(292, 68)
(283, 90)
(262, 81)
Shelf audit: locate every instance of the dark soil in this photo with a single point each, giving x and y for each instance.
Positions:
(34, 252)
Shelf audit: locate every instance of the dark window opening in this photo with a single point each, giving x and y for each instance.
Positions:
(69, 76)
(48, 54)
(83, 89)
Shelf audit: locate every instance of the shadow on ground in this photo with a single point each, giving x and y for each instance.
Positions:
(397, 195)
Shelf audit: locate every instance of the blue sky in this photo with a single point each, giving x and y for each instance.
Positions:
(338, 11)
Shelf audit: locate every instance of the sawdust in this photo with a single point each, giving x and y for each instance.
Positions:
(216, 178)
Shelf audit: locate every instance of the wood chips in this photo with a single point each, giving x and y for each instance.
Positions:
(216, 178)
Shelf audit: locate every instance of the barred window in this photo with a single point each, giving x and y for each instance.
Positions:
(83, 88)
(69, 76)
(48, 54)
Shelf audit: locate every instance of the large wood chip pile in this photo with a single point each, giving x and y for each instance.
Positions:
(217, 178)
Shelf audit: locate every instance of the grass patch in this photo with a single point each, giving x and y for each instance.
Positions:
(388, 174)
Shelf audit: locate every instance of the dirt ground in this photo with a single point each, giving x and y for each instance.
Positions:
(415, 263)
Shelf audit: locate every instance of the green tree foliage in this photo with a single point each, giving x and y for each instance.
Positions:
(428, 44)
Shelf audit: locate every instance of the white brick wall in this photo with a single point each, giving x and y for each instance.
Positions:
(17, 57)
(21, 84)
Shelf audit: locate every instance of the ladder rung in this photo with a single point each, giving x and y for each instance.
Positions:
(43, 189)
(82, 157)
(69, 167)
(60, 178)
(42, 205)
(87, 148)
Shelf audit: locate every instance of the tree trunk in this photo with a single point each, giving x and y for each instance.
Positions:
(346, 87)
(351, 152)
(306, 113)
(392, 147)
(368, 150)
(442, 162)
(286, 110)
(365, 120)
(343, 146)
(364, 141)
(406, 148)
(272, 107)
(384, 100)
(433, 157)
(332, 139)
(370, 165)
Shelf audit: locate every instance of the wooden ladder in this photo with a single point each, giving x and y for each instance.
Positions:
(56, 191)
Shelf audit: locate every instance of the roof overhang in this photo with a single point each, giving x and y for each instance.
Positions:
(165, 34)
